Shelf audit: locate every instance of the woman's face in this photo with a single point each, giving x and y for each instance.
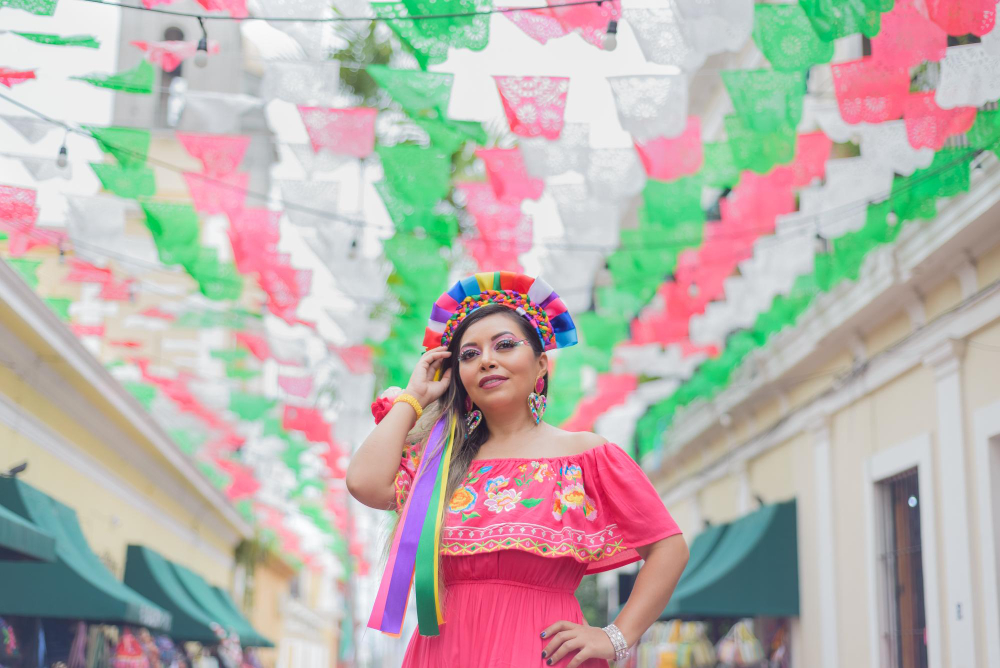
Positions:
(496, 363)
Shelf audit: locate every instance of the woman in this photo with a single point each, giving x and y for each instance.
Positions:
(527, 509)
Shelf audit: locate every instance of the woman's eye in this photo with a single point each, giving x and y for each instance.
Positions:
(505, 344)
(468, 355)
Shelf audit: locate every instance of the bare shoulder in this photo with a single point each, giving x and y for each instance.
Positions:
(578, 442)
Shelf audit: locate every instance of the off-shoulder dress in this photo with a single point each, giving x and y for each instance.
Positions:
(518, 537)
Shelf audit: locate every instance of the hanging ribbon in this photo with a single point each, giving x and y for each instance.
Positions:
(417, 543)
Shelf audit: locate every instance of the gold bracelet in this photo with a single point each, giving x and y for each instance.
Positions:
(412, 401)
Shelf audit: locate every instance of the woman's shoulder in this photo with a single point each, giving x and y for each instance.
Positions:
(574, 443)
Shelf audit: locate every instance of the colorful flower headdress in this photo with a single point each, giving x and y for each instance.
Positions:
(533, 298)
(413, 557)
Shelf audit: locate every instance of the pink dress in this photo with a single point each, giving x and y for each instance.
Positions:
(519, 536)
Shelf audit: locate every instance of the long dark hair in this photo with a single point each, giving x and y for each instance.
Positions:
(452, 402)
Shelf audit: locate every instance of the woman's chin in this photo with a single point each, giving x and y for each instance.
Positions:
(496, 399)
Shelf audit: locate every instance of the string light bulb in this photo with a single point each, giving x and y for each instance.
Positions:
(610, 39)
(821, 245)
(201, 55)
(63, 158)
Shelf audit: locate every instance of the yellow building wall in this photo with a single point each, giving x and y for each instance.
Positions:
(818, 381)
(271, 584)
(988, 267)
(979, 368)
(980, 389)
(800, 460)
(888, 334)
(720, 500)
(109, 522)
(773, 474)
(942, 298)
(685, 514)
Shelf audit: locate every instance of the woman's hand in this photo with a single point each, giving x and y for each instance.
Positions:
(589, 642)
(422, 385)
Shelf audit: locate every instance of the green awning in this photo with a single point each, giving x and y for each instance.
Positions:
(151, 575)
(76, 585)
(254, 638)
(751, 568)
(700, 549)
(20, 539)
(219, 612)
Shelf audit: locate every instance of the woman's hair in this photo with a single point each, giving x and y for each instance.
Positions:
(452, 402)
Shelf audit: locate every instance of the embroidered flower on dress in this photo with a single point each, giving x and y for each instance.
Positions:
(542, 471)
(494, 485)
(573, 497)
(464, 499)
(506, 499)
(572, 472)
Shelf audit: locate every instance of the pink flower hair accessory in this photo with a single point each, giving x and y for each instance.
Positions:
(382, 404)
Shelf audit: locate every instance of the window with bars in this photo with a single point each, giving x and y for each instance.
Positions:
(903, 623)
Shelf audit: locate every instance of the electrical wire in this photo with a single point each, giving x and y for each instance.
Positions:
(349, 19)
(808, 223)
(911, 183)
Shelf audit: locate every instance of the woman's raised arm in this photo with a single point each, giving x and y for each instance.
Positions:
(373, 467)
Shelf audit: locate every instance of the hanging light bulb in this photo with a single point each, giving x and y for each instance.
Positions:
(353, 253)
(610, 40)
(821, 245)
(63, 158)
(201, 55)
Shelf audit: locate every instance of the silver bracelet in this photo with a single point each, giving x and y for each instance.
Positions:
(617, 641)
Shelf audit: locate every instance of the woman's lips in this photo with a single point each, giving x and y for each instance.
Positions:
(492, 381)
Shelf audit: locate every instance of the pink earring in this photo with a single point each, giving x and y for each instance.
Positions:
(536, 401)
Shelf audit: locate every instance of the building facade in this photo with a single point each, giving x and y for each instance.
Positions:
(89, 444)
(879, 413)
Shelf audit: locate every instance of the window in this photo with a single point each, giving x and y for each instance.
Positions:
(900, 561)
(170, 83)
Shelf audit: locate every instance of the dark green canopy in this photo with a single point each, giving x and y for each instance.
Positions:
(20, 539)
(217, 610)
(254, 639)
(151, 575)
(76, 585)
(746, 568)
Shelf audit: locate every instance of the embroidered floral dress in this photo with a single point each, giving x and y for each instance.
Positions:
(518, 537)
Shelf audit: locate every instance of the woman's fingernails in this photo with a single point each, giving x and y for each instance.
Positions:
(543, 634)
(543, 654)
(549, 662)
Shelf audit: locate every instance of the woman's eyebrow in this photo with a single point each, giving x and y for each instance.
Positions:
(497, 336)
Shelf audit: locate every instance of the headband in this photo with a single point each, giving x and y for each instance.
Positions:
(532, 298)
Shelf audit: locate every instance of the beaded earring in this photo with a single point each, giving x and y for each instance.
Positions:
(472, 417)
(537, 400)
